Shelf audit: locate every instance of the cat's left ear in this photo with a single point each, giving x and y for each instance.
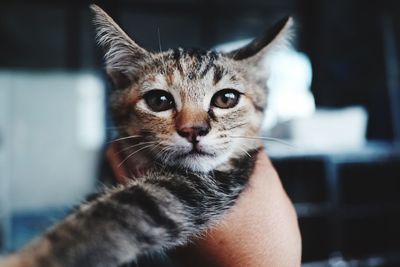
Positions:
(257, 50)
(123, 56)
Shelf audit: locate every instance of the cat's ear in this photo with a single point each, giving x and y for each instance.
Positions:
(255, 52)
(123, 56)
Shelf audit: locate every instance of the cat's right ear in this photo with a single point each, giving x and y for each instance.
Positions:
(122, 55)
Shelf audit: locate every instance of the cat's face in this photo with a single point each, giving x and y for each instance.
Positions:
(195, 106)
(192, 108)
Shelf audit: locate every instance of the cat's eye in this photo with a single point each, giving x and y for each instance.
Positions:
(159, 100)
(227, 98)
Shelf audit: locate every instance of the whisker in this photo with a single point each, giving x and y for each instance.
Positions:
(162, 153)
(159, 39)
(247, 153)
(159, 45)
(159, 156)
(124, 138)
(130, 155)
(237, 126)
(135, 145)
(165, 156)
(277, 140)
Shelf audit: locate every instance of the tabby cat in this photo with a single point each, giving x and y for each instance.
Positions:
(195, 116)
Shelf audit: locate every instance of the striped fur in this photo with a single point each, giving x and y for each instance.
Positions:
(158, 212)
(181, 194)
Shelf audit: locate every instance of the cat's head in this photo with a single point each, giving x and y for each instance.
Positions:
(192, 108)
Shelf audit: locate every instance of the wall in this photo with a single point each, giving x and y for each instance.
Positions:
(51, 135)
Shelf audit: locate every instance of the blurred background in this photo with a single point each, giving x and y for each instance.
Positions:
(335, 101)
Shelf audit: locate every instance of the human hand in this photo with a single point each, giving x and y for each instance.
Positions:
(260, 230)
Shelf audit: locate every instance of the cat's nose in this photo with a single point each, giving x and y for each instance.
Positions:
(192, 134)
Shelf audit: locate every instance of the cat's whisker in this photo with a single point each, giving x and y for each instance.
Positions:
(246, 146)
(161, 151)
(163, 156)
(157, 149)
(265, 138)
(135, 145)
(159, 155)
(159, 39)
(245, 151)
(124, 138)
(159, 45)
(133, 153)
(237, 126)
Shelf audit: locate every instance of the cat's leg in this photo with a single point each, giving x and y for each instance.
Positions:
(161, 211)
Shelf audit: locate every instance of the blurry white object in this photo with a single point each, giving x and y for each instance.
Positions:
(91, 101)
(334, 129)
(53, 134)
(289, 82)
(325, 131)
(289, 87)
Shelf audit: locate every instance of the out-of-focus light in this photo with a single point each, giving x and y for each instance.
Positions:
(91, 112)
(289, 84)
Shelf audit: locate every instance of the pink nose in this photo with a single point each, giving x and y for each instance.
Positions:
(192, 133)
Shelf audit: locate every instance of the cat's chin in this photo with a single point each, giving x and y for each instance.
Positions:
(199, 162)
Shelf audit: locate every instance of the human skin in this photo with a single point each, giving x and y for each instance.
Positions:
(261, 229)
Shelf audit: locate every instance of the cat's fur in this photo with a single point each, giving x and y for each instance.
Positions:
(182, 193)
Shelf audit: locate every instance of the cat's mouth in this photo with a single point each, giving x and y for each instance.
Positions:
(196, 157)
(195, 151)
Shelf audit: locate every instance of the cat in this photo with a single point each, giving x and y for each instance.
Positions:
(195, 115)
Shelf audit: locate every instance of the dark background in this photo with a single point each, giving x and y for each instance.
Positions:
(347, 204)
(344, 39)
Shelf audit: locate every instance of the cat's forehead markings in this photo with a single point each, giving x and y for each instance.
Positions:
(160, 79)
(176, 77)
(193, 63)
(176, 56)
(227, 82)
(202, 68)
(218, 74)
(156, 81)
(169, 78)
(182, 61)
(208, 79)
(233, 78)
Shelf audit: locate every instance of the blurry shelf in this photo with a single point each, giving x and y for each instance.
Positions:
(373, 150)
(308, 210)
(390, 259)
